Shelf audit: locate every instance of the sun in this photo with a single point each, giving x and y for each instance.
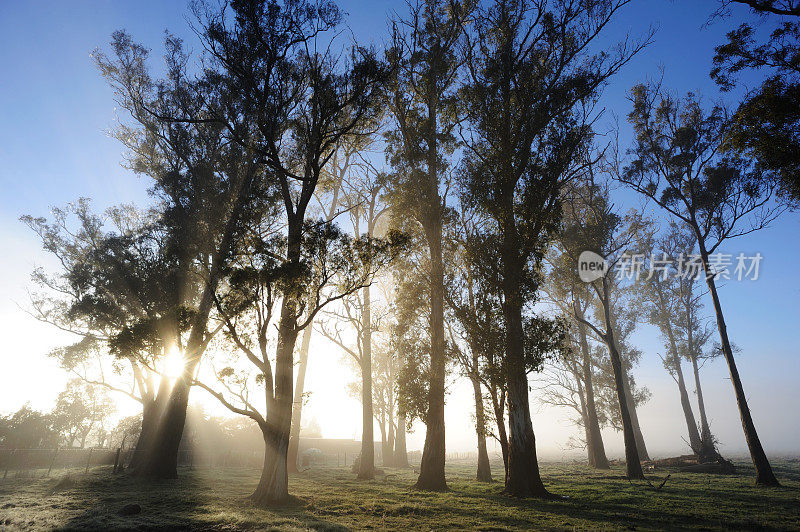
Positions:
(174, 363)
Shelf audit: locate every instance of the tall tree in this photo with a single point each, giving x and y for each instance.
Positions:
(675, 162)
(203, 179)
(591, 224)
(530, 77)
(422, 101)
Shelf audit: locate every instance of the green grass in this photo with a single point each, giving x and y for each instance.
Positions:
(332, 499)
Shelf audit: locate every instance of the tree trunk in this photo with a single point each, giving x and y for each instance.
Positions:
(366, 468)
(688, 414)
(523, 479)
(597, 449)
(705, 429)
(400, 454)
(637, 430)
(484, 469)
(273, 487)
(151, 414)
(632, 464)
(297, 407)
(502, 436)
(764, 474)
(388, 452)
(431, 469)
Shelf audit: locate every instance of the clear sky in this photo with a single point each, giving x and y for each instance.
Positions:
(55, 110)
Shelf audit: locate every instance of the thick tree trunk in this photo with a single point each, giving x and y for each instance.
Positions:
(484, 473)
(273, 487)
(523, 479)
(431, 470)
(595, 445)
(367, 465)
(151, 414)
(400, 454)
(297, 407)
(632, 464)
(764, 474)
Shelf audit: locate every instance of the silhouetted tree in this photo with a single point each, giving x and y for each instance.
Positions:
(765, 125)
(530, 83)
(422, 102)
(675, 162)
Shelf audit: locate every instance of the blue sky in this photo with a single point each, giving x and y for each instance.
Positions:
(55, 110)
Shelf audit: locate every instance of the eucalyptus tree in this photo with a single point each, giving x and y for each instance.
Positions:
(656, 292)
(423, 104)
(572, 381)
(115, 290)
(765, 125)
(202, 180)
(258, 276)
(676, 163)
(591, 224)
(303, 94)
(531, 82)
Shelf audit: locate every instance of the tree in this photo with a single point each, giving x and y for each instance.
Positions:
(591, 224)
(28, 429)
(115, 290)
(530, 83)
(203, 180)
(765, 125)
(422, 101)
(305, 97)
(675, 162)
(572, 380)
(79, 410)
(657, 293)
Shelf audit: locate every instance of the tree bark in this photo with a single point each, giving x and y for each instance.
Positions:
(273, 487)
(637, 429)
(431, 470)
(597, 450)
(523, 478)
(294, 435)
(151, 413)
(388, 451)
(400, 454)
(764, 474)
(366, 468)
(632, 464)
(688, 414)
(484, 473)
(705, 429)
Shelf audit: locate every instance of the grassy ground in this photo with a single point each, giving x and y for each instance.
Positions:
(332, 499)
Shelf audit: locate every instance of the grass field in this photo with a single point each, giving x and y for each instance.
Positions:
(332, 499)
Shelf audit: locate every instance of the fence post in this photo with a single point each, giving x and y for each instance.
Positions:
(89, 459)
(116, 459)
(52, 461)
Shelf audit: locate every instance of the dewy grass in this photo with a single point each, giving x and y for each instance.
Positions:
(332, 499)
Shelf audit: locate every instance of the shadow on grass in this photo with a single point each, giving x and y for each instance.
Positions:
(190, 502)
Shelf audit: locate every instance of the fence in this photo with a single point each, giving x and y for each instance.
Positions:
(38, 463)
(17, 463)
